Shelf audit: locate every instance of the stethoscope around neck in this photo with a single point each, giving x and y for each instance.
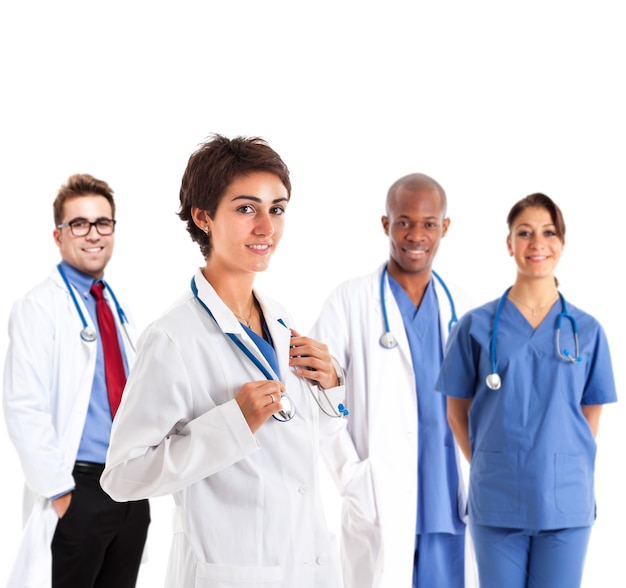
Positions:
(387, 339)
(288, 407)
(493, 380)
(88, 332)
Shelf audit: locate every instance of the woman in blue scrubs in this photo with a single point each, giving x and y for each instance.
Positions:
(526, 414)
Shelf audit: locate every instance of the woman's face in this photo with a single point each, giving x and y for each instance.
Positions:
(248, 223)
(534, 243)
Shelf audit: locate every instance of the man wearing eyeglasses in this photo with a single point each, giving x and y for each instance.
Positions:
(66, 366)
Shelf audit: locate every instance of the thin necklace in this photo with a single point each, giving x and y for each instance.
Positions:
(247, 320)
(533, 309)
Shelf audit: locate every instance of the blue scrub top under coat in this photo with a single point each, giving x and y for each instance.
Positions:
(533, 452)
(265, 347)
(437, 476)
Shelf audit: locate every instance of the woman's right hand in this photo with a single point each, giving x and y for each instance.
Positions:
(258, 401)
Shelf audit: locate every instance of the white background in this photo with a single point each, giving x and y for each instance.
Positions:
(494, 99)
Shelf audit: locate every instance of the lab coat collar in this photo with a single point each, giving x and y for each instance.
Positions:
(277, 323)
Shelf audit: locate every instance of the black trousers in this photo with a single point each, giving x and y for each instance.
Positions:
(99, 542)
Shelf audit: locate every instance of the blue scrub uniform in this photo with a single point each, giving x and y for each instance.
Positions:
(440, 534)
(533, 453)
(266, 346)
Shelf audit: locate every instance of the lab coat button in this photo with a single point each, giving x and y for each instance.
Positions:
(303, 489)
(321, 560)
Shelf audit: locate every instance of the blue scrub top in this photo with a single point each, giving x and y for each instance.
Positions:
(533, 453)
(437, 475)
(266, 346)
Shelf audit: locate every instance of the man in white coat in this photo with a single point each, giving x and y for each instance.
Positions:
(388, 330)
(59, 405)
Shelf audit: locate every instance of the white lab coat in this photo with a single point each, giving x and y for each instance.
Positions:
(248, 506)
(48, 377)
(378, 550)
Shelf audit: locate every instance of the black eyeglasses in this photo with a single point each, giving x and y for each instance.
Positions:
(81, 227)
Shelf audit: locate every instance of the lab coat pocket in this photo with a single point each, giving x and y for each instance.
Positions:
(573, 484)
(221, 576)
(494, 481)
(359, 505)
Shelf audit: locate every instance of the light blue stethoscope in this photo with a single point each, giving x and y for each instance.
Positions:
(387, 339)
(288, 407)
(88, 333)
(493, 380)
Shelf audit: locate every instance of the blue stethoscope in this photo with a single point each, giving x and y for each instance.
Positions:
(493, 380)
(88, 333)
(387, 339)
(289, 408)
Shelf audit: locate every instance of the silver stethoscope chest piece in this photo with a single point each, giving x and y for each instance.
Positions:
(493, 381)
(288, 411)
(88, 334)
(387, 340)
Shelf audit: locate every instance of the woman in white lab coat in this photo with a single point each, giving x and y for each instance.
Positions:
(209, 409)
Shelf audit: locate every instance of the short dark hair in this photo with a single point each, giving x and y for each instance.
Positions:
(214, 165)
(539, 200)
(81, 185)
(418, 181)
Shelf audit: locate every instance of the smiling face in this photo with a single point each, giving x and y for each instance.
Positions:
(415, 225)
(535, 243)
(247, 225)
(91, 253)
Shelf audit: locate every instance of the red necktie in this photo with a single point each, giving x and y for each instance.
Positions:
(113, 363)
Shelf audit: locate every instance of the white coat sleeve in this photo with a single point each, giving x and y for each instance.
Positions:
(160, 444)
(29, 403)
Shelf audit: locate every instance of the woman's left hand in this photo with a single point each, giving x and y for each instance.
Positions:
(312, 360)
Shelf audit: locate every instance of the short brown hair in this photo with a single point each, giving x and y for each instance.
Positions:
(81, 185)
(214, 165)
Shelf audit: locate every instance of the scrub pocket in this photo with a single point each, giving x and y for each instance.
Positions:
(494, 482)
(573, 484)
(220, 576)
